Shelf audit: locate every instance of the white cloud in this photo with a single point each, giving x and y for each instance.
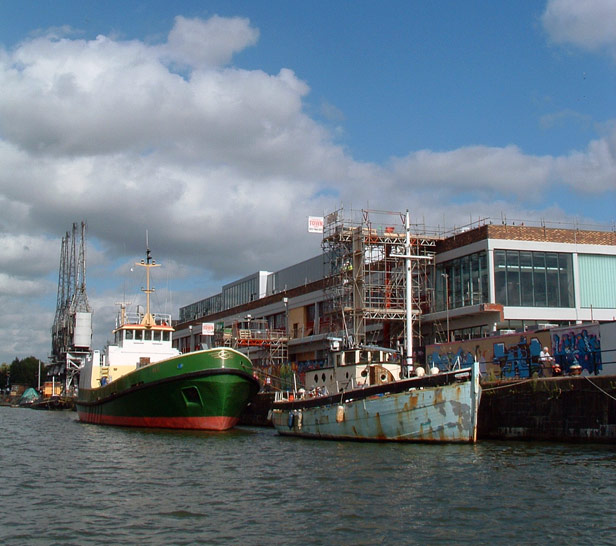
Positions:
(210, 43)
(592, 171)
(587, 24)
(15, 286)
(487, 170)
(27, 255)
(481, 173)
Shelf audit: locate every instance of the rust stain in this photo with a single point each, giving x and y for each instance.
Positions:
(380, 435)
(411, 402)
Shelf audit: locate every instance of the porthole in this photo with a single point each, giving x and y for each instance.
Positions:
(323, 377)
(316, 377)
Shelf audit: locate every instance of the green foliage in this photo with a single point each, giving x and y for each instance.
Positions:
(25, 372)
(5, 371)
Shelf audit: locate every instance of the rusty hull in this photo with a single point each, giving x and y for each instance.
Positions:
(441, 408)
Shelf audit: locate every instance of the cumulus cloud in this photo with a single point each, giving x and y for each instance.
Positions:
(486, 170)
(210, 43)
(14, 286)
(589, 25)
(593, 170)
(221, 165)
(481, 173)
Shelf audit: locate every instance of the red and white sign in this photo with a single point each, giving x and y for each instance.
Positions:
(315, 224)
(207, 329)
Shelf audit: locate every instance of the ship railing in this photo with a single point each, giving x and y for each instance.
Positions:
(160, 319)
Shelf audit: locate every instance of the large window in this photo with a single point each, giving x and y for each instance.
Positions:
(461, 282)
(240, 293)
(533, 279)
(202, 308)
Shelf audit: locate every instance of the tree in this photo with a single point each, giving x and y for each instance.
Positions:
(5, 374)
(25, 372)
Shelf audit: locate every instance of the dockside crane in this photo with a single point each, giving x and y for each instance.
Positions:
(71, 333)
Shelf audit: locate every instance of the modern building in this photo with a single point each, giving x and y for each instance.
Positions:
(482, 280)
(512, 277)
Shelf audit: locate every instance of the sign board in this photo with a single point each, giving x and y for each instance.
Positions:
(207, 329)
(315, 224)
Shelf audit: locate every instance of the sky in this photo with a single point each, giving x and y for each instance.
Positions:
(218, 127)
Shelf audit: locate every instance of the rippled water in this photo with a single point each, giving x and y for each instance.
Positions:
(64, 482)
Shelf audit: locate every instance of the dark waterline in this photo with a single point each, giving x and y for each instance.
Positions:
(64, 482)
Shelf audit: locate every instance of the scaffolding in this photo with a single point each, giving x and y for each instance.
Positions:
(266, 347)
(366, 278)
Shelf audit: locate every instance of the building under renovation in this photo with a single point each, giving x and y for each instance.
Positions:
(487, 278)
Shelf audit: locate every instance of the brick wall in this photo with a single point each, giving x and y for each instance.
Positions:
(527, 233)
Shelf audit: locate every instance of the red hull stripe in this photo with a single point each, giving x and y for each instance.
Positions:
(195, 423)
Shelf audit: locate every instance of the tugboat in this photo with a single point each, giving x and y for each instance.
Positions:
(142, 381)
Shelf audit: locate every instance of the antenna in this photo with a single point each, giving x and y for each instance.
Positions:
(148, 319)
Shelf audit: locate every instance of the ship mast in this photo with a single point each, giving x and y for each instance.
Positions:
(409, 295)
(148, 319)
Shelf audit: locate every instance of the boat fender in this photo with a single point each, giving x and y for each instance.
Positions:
(291, 419)
(299, 419)
(340, 414)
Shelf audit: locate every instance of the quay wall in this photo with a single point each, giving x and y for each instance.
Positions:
(580, 408)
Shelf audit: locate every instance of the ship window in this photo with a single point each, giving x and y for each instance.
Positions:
(138, 335)
(147, 335)
(128, 334)
(166, 336)
(156, 335)
(191, 396)
(323, 377)
(316, 377)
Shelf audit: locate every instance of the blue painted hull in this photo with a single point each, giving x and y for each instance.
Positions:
(439, 408)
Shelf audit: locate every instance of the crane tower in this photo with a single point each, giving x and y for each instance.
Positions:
(71, 333)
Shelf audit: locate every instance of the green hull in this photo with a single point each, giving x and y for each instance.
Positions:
(205, 390)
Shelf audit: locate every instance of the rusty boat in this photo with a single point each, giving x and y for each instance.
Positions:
(374, 393)
(439, 407)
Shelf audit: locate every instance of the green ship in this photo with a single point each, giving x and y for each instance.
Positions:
(142, 381)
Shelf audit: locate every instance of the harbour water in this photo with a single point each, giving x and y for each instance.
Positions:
(64, 482)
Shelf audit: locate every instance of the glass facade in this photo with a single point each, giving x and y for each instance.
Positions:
(240, 292)
(461, 282)
(533, 279)
(202, 308)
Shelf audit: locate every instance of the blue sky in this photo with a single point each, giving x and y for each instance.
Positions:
(219, 126)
